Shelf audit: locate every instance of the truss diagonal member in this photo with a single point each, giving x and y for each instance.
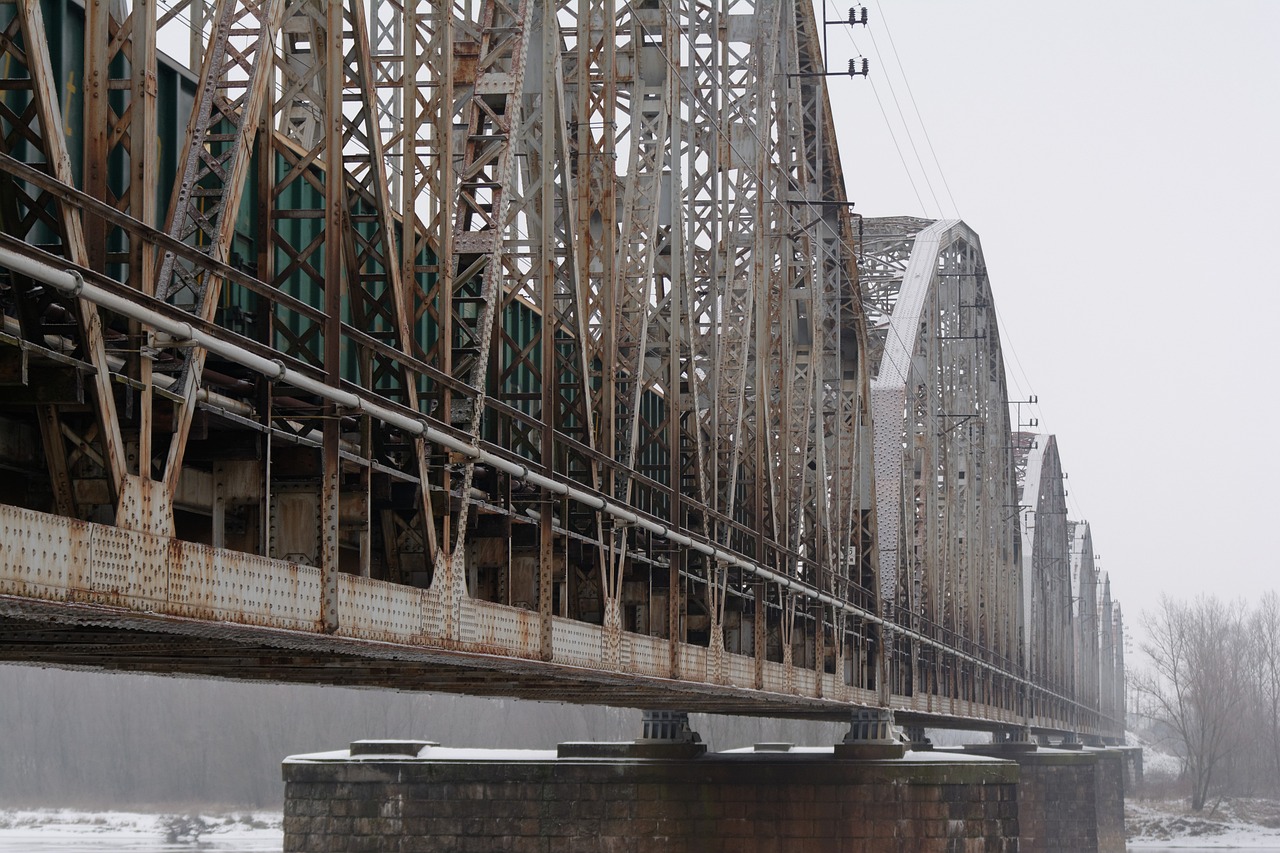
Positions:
(551, 269)
(215, 162)
(387, 22)
(575, 407)
(791, 385)
(381, 254)
(120, 54)
(424, 61)
(442, 37)
(41, 126)
(702, 202)
(547, 275)
(635, 291)
(747, 79)
(592, 81)
(540, 257)
(474, 277)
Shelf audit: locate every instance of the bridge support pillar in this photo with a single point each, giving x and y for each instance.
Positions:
(1110, 788)
(771, 798)
(1068, 799)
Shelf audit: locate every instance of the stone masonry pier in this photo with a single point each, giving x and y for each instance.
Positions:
(419, 797)
(1070, 800)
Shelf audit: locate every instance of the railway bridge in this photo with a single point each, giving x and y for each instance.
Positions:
(510, 347)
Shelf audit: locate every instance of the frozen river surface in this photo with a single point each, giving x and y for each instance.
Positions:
(63, 831)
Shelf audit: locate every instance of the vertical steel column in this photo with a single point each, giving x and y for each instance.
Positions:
(120, 122)
(214, 164)
(474, 276)
(337, 224)
(635, 289)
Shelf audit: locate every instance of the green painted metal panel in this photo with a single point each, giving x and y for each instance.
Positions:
(239, 308)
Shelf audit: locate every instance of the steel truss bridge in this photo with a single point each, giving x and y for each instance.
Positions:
(508, 347)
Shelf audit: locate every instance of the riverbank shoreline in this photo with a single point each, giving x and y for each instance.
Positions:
(1150, 824)
(1240, 823)
(239, 830)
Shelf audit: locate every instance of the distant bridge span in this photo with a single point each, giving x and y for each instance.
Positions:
(528, 349)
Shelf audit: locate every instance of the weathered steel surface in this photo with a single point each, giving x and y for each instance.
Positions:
(93, 585)
(523, 339)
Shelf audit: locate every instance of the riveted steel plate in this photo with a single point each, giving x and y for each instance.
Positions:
(468, 630)
(832, 687)
(144, 506)
(774, 677)
(740, 670)
(128, 567)
(40, 555)
(432, 603)
(377, 610)
(210, 583)
(645, 655)
(496, 627)
(693, 663)
(574, 643)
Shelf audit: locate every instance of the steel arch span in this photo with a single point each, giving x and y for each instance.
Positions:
(974, 539)
(1084, 613)
(944, 478)
(1049, 640)
(498, 347)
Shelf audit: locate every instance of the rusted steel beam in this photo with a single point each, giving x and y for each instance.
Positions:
(46, 134)
(669, 436)
(233, 87)
(337, 227)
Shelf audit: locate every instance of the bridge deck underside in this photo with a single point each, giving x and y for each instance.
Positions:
(106, 638)
(75, 594)
(96, 637)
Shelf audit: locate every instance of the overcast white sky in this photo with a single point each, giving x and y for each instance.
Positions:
(1119, 161)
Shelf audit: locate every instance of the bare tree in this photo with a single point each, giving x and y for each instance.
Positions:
(1197, 686)
(1265, 634)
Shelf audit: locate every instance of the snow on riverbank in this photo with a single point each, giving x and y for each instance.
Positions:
(1239, 824)
(1244, 824)
(241, 831)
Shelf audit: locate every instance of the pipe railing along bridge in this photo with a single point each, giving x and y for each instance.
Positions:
(516, 348)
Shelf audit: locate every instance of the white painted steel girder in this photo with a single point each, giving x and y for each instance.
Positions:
(944, 474)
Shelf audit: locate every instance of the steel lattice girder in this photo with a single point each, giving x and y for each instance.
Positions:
(1049, 633)
(550, 306)
(944, 473)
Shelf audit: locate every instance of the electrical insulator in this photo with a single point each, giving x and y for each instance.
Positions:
(855, 71)
(857, 15)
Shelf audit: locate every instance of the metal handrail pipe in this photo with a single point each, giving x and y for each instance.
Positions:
(70, 282)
